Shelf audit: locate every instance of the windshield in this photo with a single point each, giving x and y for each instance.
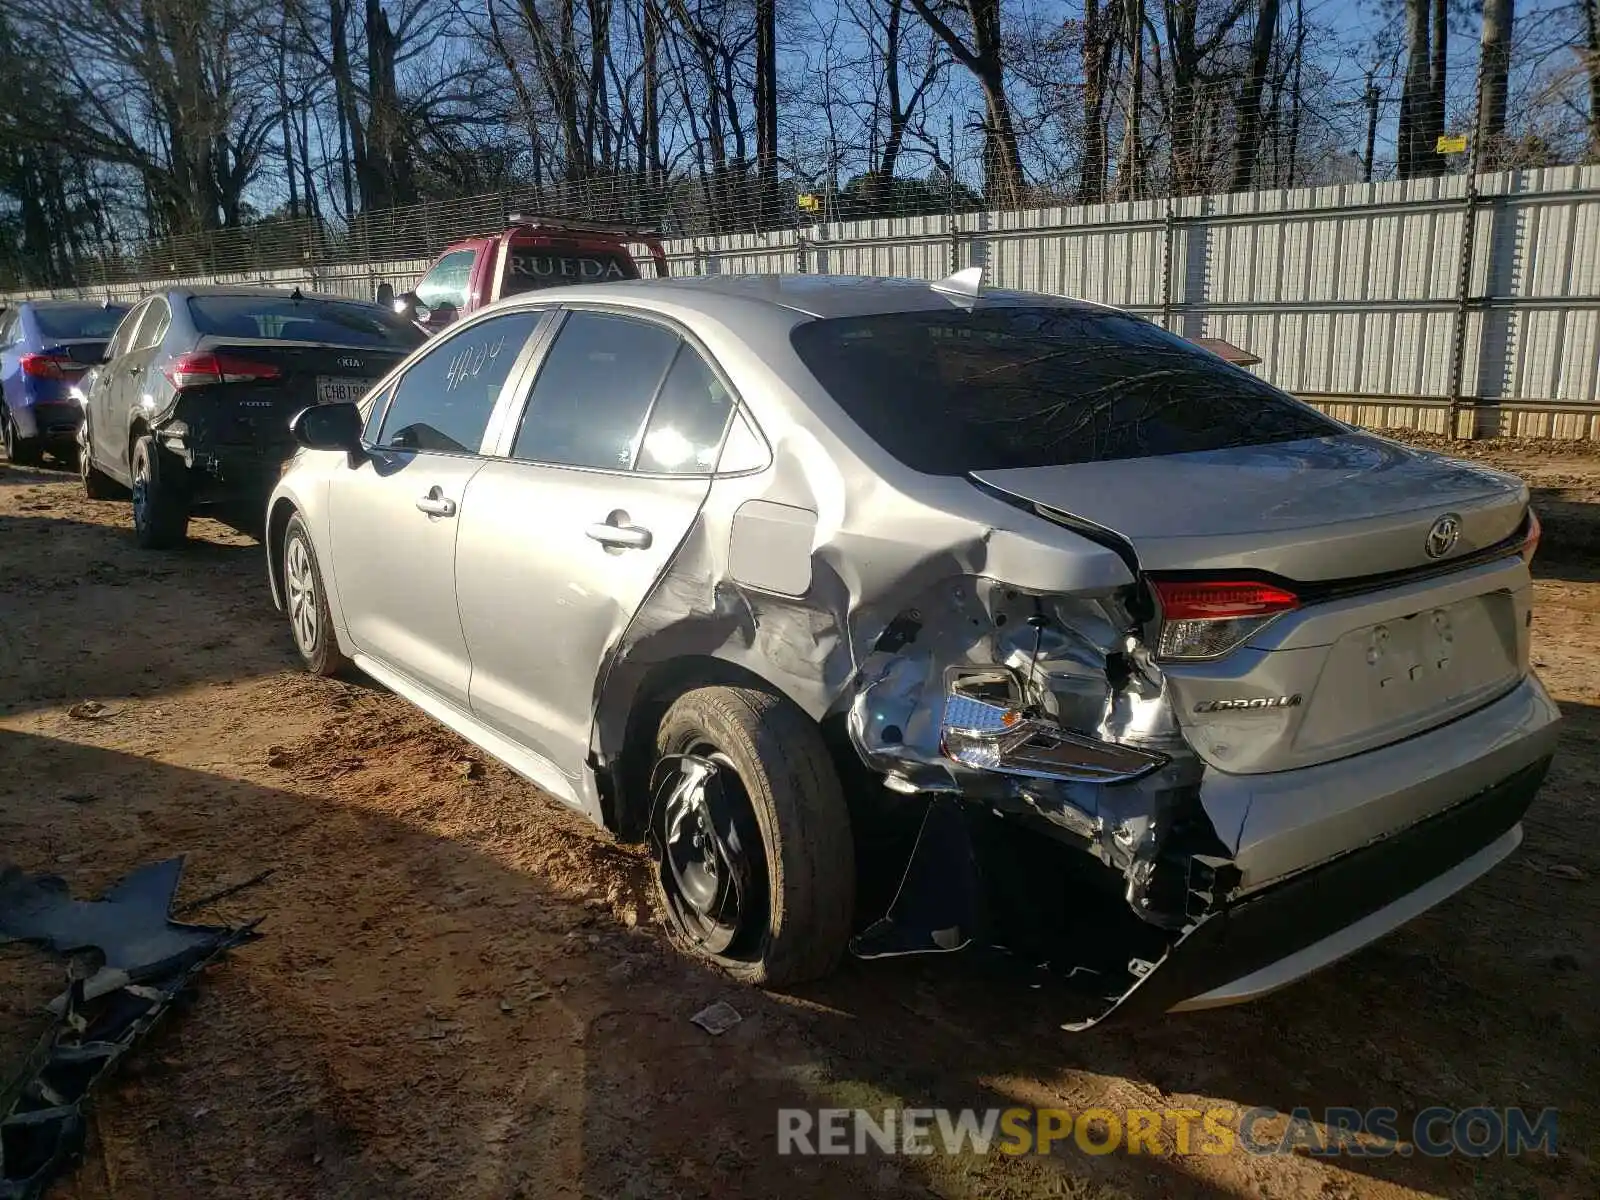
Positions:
(79, 320)
(948, 392)
(283, 318)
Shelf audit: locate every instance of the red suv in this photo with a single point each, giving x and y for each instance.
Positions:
(535, 252)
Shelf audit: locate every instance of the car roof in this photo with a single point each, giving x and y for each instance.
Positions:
(79, 302)
(820, 296)
(279, 293)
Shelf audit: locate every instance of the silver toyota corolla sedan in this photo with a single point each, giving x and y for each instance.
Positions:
(905, 618)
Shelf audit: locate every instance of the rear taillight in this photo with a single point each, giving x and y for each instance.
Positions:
(201, 370)
(1530, 540)
(1208, 618)
(47, 366)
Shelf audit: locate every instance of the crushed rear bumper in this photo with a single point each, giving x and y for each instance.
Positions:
(1284, 932)
(1310, 865)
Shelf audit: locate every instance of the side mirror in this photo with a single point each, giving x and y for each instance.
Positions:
(385, 295)
(328, 427)
(441, 315)
(406, 305)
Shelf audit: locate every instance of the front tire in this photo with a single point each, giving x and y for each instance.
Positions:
(160, 497)
(306, 602)
(756, 858)
(97, 485)
(21, 451)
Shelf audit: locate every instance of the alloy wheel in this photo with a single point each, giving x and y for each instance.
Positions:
(301, 582)
(141, 494)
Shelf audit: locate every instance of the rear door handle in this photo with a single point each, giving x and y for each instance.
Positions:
(624, 537)
(436, 505)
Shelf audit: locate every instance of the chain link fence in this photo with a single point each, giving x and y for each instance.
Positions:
(699, 207)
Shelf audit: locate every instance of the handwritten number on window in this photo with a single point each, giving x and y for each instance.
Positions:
(470, 362)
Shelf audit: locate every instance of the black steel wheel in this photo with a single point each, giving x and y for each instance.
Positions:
(755, 858)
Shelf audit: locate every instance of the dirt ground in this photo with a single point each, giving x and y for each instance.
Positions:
(462, 991)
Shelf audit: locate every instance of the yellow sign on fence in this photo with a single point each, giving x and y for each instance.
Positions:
(808, 201)
(1448, 144)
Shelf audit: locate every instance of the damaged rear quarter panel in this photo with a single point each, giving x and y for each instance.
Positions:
(793, 574)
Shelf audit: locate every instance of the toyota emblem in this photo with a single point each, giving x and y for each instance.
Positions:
(1443, 536)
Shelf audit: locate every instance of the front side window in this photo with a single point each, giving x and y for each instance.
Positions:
(447, 281)
(594, 391)
(952, 391)
(444, 401)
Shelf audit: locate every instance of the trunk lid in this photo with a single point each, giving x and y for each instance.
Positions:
(1387, 640)
(1313, 510)
(256, 412)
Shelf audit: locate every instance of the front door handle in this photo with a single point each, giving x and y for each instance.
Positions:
(617, 533)
(436, 504)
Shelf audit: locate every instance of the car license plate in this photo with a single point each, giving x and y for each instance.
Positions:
(340, 389)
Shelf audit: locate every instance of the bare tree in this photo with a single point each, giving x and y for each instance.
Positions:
(1247, 142)
(1494, 77)
(985, 58)
(1421, 109)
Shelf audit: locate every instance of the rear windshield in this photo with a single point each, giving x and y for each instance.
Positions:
(950, 392)
(79, 320)
(530, 267)
(283, 318)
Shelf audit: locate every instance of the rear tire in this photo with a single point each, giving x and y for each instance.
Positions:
(160, 497)
(776, 786)
(21, 451)
(97, 485)
(306, 601)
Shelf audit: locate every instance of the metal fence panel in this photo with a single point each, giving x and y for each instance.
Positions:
(1346, 291)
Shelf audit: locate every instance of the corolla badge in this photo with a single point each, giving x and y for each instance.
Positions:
(1248, 702)
(1443, 536)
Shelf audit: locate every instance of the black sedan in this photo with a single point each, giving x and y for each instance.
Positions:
(190, 407)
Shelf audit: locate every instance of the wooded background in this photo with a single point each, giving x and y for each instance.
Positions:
(163, 136)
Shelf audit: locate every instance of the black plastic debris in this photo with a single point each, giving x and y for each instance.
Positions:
(128, 961)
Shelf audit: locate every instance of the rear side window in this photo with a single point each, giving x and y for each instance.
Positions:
(947, 392)
(78, 320)
(686, 424)
(531, 266)
(444, 401)
(122, 340)
(312, 319)
(153, 326)
(594, 391)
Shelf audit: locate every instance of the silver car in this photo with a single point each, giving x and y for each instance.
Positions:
(904, 617)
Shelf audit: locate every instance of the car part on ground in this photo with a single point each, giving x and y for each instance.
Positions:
(1112, 636)
(128, 963)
